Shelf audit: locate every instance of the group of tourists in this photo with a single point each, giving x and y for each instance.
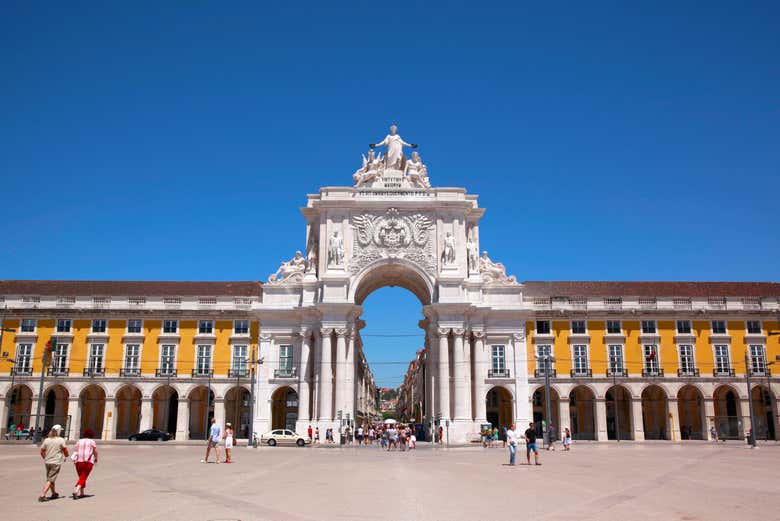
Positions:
(54, 453)
(389, 436)
(215, 437)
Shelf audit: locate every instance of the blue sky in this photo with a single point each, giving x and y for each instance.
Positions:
(617, 140)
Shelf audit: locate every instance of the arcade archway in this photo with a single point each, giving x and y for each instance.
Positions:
(201, 402)
(618, 413)
(237, 411)
(540, 409)
(655, 413)
(763, 405)
(582, 413)
(498, 408)
(128, 411)
(93, 406)
(728, 416)
(55, 407)
(19, 402)
(284, 408)
(690, 408)
(165, 408)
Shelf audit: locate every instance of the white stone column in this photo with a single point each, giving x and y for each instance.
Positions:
(326, 378)
(444, 373)
(219, 413)
(146, 414)
(4, 413)
(564, 418)
(601, 420)
(109, 419)
(341, 372)
(461, 405)
(183, 419)
(304, 382)
(74, 410)
(350, 374)
(637, 423)
(481, 366)
(745, 410)
(673, 420)
(431, 398)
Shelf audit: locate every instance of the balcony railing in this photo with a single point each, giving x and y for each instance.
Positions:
(129, 372)
(498, 373)
(650, 373)
(165, 371)
(238, 373)
(622, 373)
(24, 371)
(682, 373)
(760, 372)
(723, 372)
(284, 373)
(539, 373)
(202, 373)
(91, 371)
(56, 371)
(581, 373)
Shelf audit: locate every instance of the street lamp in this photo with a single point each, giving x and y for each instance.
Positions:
(255, 362)
(613, 360)
(548, 361)
(752, 437)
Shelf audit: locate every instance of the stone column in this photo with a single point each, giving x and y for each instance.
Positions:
(481, 367)
(341, 372)
(637, 423)
(109, 420)
(460, 369)
(219, 413)
(183, 419)
(350, 372)
(146, 414)
(326, 378)
(431, 398)
(601, 420)
(74, 410)
(564, 418)
(304, 384)
(4, 413)
(444, 373)
(745, 410)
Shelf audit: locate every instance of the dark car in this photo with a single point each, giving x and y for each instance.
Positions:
(150, 435)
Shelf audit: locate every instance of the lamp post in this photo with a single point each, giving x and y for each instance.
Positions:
(255, 363)
(51, 345)
(613, 362)
(548, 360)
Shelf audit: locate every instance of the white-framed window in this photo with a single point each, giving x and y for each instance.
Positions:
(203, 359)
(757, 359)
(205, 327)
(719, 327)
(753, 327)
(580, 359)
(135, 325)
(240, 360)
(241, 327)
(722, 359)
(684, 327)
(27, 325)
(170, 326)
(543, 327)
(64, 325)
(616, 364)
(652, 365)
(578, 327)
(98, 325)
(167, 359)
(542, 364)
(59, 359)
(23, 363)
(687, 360)
(132, 361)
(285, 359)
(498, 360)
(614, 327)
(96, 360)
(648, 327)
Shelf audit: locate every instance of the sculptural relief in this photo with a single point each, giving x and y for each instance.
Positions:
(290, 271)
(416, 172)
(393, 170)
(494, 272)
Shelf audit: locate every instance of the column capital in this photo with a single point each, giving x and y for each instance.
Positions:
(458, 332)
(342, 332)
(442, 331)
(479, 335)
(518, 337)
(264, 337)
(325, 331)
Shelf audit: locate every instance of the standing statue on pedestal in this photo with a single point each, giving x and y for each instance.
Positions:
(472, 254)
(394, 143)
(335, 250)
(449, 249)
(290, 271)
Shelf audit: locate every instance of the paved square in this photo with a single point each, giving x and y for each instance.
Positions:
(593, 482)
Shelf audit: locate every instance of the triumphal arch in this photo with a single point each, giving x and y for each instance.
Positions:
(393, 228)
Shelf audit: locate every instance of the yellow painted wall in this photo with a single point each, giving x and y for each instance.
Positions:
(633, 349)
(223, 329)
(45, 331)
(598, 349)
(705, 360)
(115, 347)
(561, 348)
(772, 345)
(185, 358)
(668, 348)
(151, 350)
(736, 330)
(530, 331)
(9, 345)
(78, 348)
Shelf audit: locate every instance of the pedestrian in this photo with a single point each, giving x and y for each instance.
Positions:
(511, 440)
(310, 432)
(360, 436)
(53, 450)
(441, 434)
(551, 437)
(412, 441)
(213, 441)
(402, 438)
(495, 436)
(504, 429)
(714, 433)
(228, 443)
(566, 439)
(84, 458)
(317, 435)
(530, 444)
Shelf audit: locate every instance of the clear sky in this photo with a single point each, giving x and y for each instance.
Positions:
(618, 140)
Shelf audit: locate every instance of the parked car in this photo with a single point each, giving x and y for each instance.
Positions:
(284, 436)
(150, 435)
(24, 434)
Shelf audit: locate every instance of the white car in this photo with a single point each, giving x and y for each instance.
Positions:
(284, 436)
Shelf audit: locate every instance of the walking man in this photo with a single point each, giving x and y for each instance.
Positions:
(215, 434)
(511, 440)
(53, 452)
(551, 437)
(530, 444)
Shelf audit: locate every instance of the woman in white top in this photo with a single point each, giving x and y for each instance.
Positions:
(228, 443)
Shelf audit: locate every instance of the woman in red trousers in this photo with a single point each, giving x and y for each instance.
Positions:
(85, 456)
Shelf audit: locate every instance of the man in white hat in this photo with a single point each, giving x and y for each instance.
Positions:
(53, 452)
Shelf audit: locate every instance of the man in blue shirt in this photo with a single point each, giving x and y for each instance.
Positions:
(215, 434)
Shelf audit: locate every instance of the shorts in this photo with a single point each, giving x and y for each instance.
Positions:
(531, 447)
(213, 443)
(52, 471)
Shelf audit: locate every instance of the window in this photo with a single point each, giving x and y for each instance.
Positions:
(684, 327)
(542, 364)
(134, 326)
(170, 326)
(616, 360)
(23, 364)
(757, 359)
(648, 327)
(132, 362)
(613, 327)
(205, 327)
(754, 327)
(241, 327)
(722, 361)
(580, 352)
(168, 359)
(59, 359)
(99, 326)
(239, 362)
(63, 325)
(578, 327)
(718, 327)
(650, 352)
(542, 327)
(28, 325)
(203, 360)
(96, 353)
(285, 359)
(497, 361)
(687, 363)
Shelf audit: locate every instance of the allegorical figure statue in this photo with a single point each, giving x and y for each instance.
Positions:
(416, 172)
(293, 268)
(472, 255)
(493, 271)
(335, 250)
(449, 249)
(395, 146)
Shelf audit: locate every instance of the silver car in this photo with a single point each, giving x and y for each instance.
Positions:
(284, 436)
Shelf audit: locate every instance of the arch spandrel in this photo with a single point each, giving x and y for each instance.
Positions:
(392, 272)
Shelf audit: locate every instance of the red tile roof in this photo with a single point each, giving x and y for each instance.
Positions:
(650, 289)
(129, 288)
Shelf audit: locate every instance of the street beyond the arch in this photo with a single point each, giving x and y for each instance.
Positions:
(648, 481)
